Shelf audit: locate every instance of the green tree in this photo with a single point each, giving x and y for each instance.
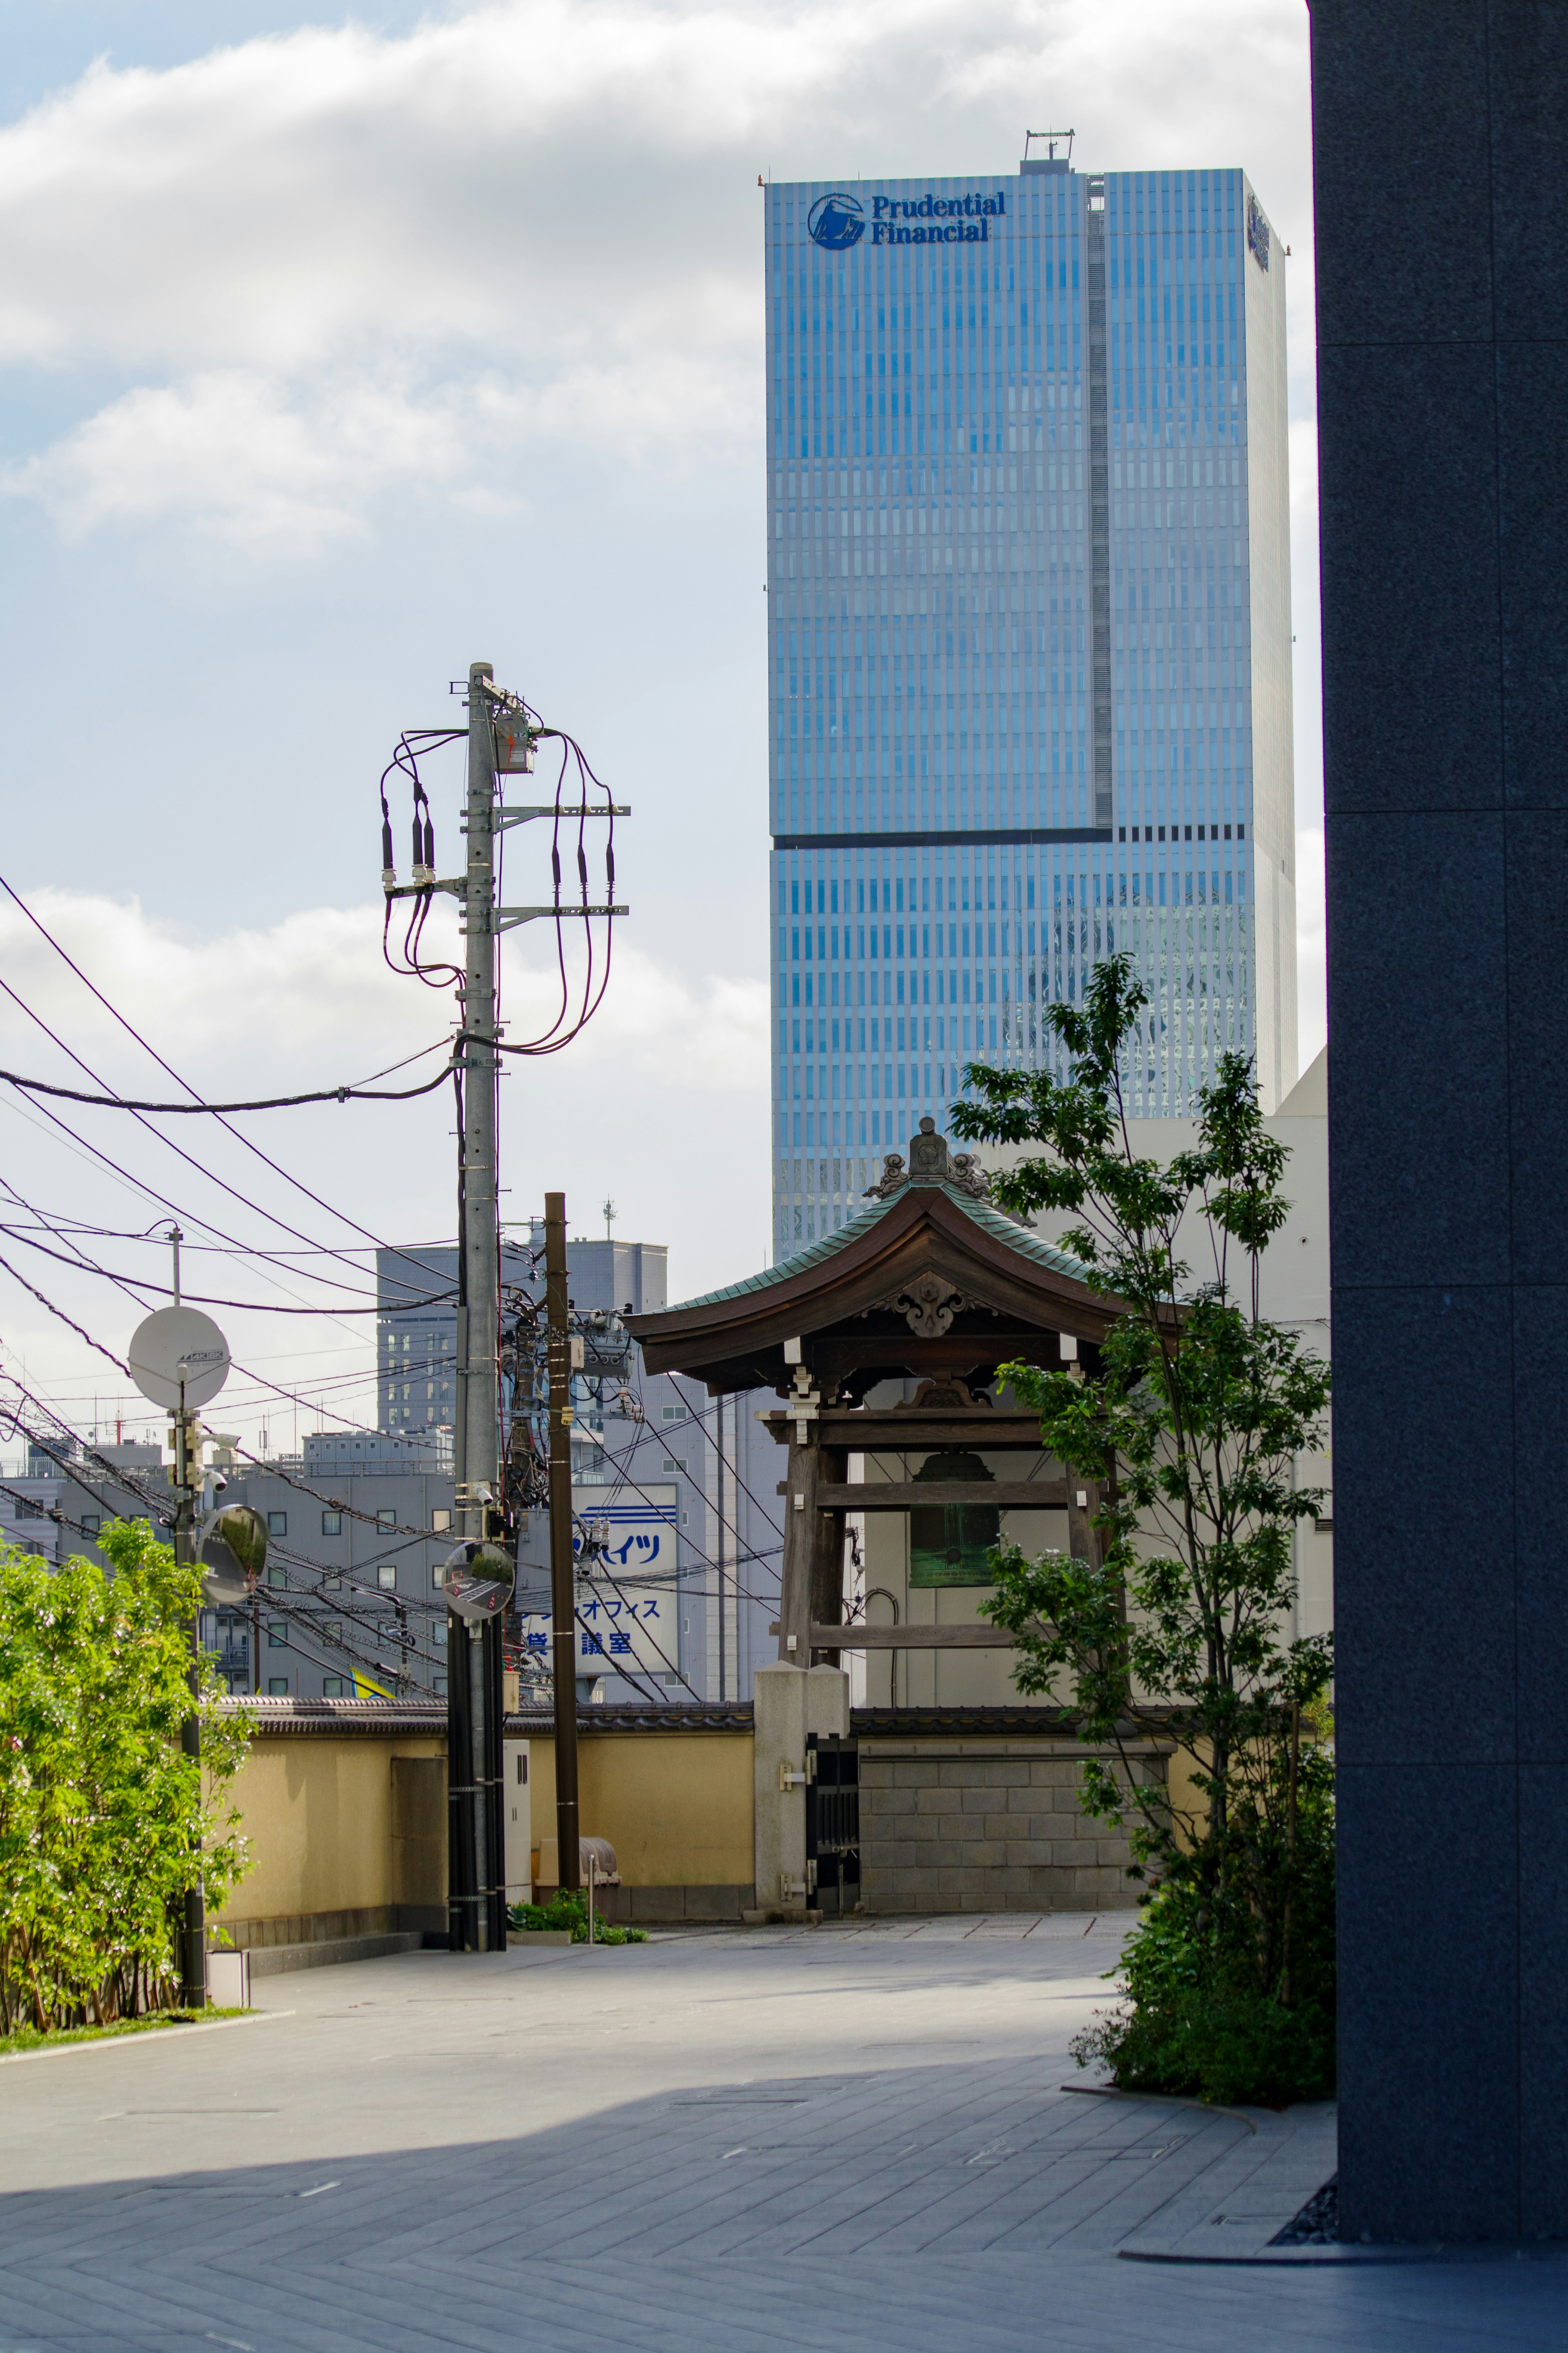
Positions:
(1190, 1417)
(100, 1811)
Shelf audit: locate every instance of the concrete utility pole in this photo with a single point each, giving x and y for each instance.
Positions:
(562, 1567)
(477, 1872)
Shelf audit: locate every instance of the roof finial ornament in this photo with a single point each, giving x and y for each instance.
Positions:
(894, 1178)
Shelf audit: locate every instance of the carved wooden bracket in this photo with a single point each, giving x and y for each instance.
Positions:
(927, 1305)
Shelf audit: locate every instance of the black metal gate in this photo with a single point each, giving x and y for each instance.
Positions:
(832, 1822)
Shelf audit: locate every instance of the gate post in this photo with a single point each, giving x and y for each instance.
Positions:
(779, 1729)
(788, 1704)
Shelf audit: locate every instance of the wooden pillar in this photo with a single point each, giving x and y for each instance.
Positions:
(826, 1575)
(1083, 1538)
(799, 1535)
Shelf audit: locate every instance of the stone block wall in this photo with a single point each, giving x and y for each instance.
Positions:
(985, 1826)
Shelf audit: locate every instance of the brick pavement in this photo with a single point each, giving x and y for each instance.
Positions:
(844, 2139)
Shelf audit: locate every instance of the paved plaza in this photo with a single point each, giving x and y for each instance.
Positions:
(845, 2139)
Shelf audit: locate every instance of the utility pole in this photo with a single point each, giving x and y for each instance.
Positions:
(186, 1435)
(501, 737)
(477, 1871)
(562, 1569)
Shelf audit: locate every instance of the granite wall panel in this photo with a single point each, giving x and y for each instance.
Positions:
(1441, 186)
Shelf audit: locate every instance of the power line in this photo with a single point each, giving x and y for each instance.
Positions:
(133, 1031)
(216, 1111)
(202, 1298)
(178, 1150)
(151, 1193)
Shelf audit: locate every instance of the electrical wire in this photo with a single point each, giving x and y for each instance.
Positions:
(239, 1137)
(564, 1025)
(160, 1507)
(332, 1501)
(151, 1193)
(216, 1111)
(201, 1299)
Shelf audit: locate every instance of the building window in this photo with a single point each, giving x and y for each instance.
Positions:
(331, 1686)
(276, 1635)
(438, 1574)
(386, 1578)
(331, 1524)
(277, 1688)
(387, 1519)
(90, 1523)
(438, 1685)
(441, 1522)
(277, 1523)
(672, 1413)
(277, 1577)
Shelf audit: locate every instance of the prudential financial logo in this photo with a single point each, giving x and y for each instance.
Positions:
(839, 221)
(835, 222)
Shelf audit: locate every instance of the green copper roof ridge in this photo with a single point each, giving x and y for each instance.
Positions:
(1021, 1238)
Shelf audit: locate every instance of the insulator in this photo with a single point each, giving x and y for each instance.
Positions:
(610, 871)
(555, 869)
(388, 870)
(429, 840)
(582, 869)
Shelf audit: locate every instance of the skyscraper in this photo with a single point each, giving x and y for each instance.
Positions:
(1028, 642)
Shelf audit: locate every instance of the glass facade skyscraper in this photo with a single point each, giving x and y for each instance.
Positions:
(1028, 642)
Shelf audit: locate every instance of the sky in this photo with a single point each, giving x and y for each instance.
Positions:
(340, 352)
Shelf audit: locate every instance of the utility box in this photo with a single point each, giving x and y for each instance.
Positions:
(517, 1820)
(228, 1980)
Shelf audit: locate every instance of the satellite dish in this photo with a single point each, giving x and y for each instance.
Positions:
(232, 1551)
(478, 1580)
(179, 1357)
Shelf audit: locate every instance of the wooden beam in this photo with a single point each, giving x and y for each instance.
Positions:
(955, 1352)
(925, 1494)
(892, 1433)
(911, 1637)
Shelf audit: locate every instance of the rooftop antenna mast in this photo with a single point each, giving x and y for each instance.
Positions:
(1051, 137)
(610, 1213)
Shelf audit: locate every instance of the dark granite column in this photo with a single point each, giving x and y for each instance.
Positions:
(1442, 210)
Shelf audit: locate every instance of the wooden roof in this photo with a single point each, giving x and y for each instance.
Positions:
(931, 1281)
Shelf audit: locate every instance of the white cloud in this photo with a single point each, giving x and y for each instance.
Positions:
(233, 453)
(330, 261)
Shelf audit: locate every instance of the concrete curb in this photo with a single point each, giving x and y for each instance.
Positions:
(135, 2041)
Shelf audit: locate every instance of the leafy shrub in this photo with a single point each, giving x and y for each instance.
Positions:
(565, 1910)
(100, 1810)
(1169, 1624)
(1213, 2011)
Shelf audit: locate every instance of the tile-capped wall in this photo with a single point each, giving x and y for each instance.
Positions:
(985, 1826)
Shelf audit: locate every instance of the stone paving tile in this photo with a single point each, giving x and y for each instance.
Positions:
(573, 2155)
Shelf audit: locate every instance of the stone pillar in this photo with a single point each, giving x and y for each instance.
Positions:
(788, 1703)
(779, 1728)
(1441, 221)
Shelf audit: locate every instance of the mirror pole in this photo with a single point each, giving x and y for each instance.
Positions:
(188, 1458)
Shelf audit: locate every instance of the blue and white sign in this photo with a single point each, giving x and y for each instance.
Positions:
(838, 220)
(622, 1621)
